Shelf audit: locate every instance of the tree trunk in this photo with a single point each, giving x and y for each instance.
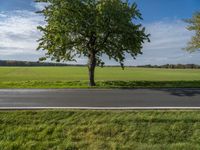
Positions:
(91, 69)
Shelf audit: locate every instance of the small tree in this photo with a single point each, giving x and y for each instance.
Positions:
(91, 28)
(194, 22)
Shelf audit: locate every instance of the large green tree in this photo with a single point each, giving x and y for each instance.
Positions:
(194, 25)
(91, 28)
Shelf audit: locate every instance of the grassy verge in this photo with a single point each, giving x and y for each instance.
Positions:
(101, 84)
(70, 129)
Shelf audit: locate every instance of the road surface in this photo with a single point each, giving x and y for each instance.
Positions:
(126, 98)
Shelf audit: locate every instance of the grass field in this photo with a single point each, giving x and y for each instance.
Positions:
(107, 73)
(63, 77)
(56, 130)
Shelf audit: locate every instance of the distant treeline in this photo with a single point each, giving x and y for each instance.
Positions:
(29, 64)
(173, 66)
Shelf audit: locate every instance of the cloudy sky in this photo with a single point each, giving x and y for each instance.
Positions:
(162, 18)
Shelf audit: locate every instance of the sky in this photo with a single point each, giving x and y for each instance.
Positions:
(163, 19)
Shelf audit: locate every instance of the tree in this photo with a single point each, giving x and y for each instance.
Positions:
(91, 28)
(194, 22)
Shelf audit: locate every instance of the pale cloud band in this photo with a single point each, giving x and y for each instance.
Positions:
(18, 36)
(168, 38)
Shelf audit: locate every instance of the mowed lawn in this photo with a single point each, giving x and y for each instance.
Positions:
(107, 77)
(99, 130)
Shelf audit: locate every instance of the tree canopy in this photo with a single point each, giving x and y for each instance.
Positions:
(194, 25)
(91, 28)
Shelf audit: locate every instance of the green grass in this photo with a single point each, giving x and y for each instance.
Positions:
(100, 84)
(107, 73)
(108, 77)
(70, 129)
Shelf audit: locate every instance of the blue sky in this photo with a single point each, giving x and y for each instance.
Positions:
(155, 10)
(9, 5)
(162, 19)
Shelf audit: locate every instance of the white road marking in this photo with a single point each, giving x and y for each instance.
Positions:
(101, 108)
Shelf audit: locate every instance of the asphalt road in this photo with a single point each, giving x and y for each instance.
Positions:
(99, 98)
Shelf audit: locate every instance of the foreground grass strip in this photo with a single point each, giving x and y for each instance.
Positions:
(101, 84)
(72, 129)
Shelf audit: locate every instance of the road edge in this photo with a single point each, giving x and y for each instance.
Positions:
(100, 108)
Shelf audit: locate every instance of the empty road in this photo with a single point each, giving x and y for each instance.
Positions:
(99, 98)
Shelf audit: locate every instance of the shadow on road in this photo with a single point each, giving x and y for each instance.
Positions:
(181, 92)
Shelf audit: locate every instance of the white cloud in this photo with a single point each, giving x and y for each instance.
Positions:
(18, 34)
(168, 38)
(3, 15)
(166, 35)
(39, 6)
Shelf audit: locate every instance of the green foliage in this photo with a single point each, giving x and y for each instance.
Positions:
(194, 22)
(91, 27)
(97, 130)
